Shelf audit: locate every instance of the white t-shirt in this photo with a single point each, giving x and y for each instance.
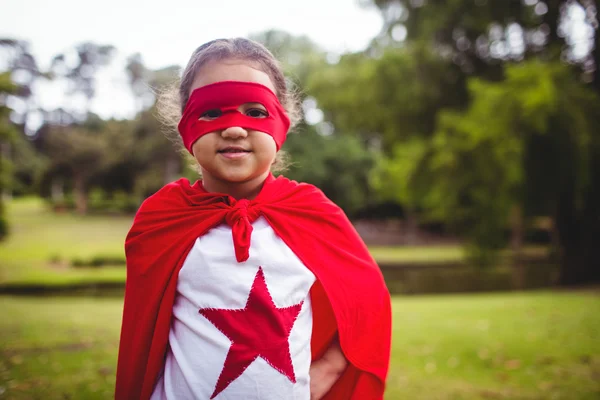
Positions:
(230, 322)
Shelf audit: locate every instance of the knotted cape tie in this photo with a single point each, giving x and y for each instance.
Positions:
(240, 217)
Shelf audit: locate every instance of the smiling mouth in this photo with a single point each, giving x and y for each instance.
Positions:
(233, 150)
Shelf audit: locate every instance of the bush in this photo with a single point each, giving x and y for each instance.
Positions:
(125, 203)
(55, 259)
(3, 227)
(66, 204)
(100, 202)
(97, 200)
(98, 261)
(118, 202)
(78, 262)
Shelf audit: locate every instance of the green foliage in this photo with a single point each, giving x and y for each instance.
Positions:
(395, 178)
(4, 230)
(7, 135)
(300, 57)
(477, 163)
(98, 261)
(117, 202)
(393, 97)
(476, 35)
(337, 164)
(80, 150)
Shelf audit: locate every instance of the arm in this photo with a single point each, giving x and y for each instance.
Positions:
(325, 371)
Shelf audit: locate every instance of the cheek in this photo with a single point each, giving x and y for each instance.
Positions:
(202, 147)
(265, 144)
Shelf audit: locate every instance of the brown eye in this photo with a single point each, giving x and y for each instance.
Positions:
(211, 114)
(256, 113)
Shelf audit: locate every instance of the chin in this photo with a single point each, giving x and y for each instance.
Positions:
(238, 177)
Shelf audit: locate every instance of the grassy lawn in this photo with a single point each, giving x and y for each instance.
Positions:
(42, 245)
(410, 254)
(537, 345)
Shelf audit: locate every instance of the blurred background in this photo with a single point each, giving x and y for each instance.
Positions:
(460, 136)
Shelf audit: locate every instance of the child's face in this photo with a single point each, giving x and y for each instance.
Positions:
(234, 155)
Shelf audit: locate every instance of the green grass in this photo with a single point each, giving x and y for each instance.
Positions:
(58, 348)
(438, 254)
(537, 345)
(418, 254)
(42, 244)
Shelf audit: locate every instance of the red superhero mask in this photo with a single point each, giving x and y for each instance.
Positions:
(225, 98)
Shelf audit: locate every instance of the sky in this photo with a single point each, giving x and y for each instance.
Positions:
(167, 32)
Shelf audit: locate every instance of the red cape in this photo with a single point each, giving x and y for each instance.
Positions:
(349, 297)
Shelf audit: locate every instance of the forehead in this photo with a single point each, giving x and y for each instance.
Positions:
(231, 70)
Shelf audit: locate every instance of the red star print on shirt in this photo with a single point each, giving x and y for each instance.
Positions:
(258, 330)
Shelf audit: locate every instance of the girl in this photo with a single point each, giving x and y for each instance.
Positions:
(243, 285)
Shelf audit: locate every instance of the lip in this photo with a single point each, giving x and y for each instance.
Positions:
(233, 152)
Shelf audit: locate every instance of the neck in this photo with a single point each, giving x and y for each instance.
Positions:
(238, 190)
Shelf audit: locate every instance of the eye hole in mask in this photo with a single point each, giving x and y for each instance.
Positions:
(252, 110)
(211, 114)
(256, 113)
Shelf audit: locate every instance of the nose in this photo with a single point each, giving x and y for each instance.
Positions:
(234, 132)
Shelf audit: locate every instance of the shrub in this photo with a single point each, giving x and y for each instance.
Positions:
(123, 202)
(98, 261)
(78, 263)
(3, 227)
(97, 200)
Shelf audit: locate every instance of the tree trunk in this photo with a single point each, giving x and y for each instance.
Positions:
(579, 233)
(57, 190)
(580, 264)
(80, 193)
(516, 245)
(596, 56)
(6, 189)
(411, 228)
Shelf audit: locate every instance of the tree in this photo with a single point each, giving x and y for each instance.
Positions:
(390, 101)
(392, 97)
(337, 164)
(300, 57)
(25, 116)
(81, 75)
(484, 39)
(529, 142)
(480, 36)
(155, 158)
(78, 152)
(7, 134)
(397, 178)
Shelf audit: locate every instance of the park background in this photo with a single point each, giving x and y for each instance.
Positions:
(461, 137)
